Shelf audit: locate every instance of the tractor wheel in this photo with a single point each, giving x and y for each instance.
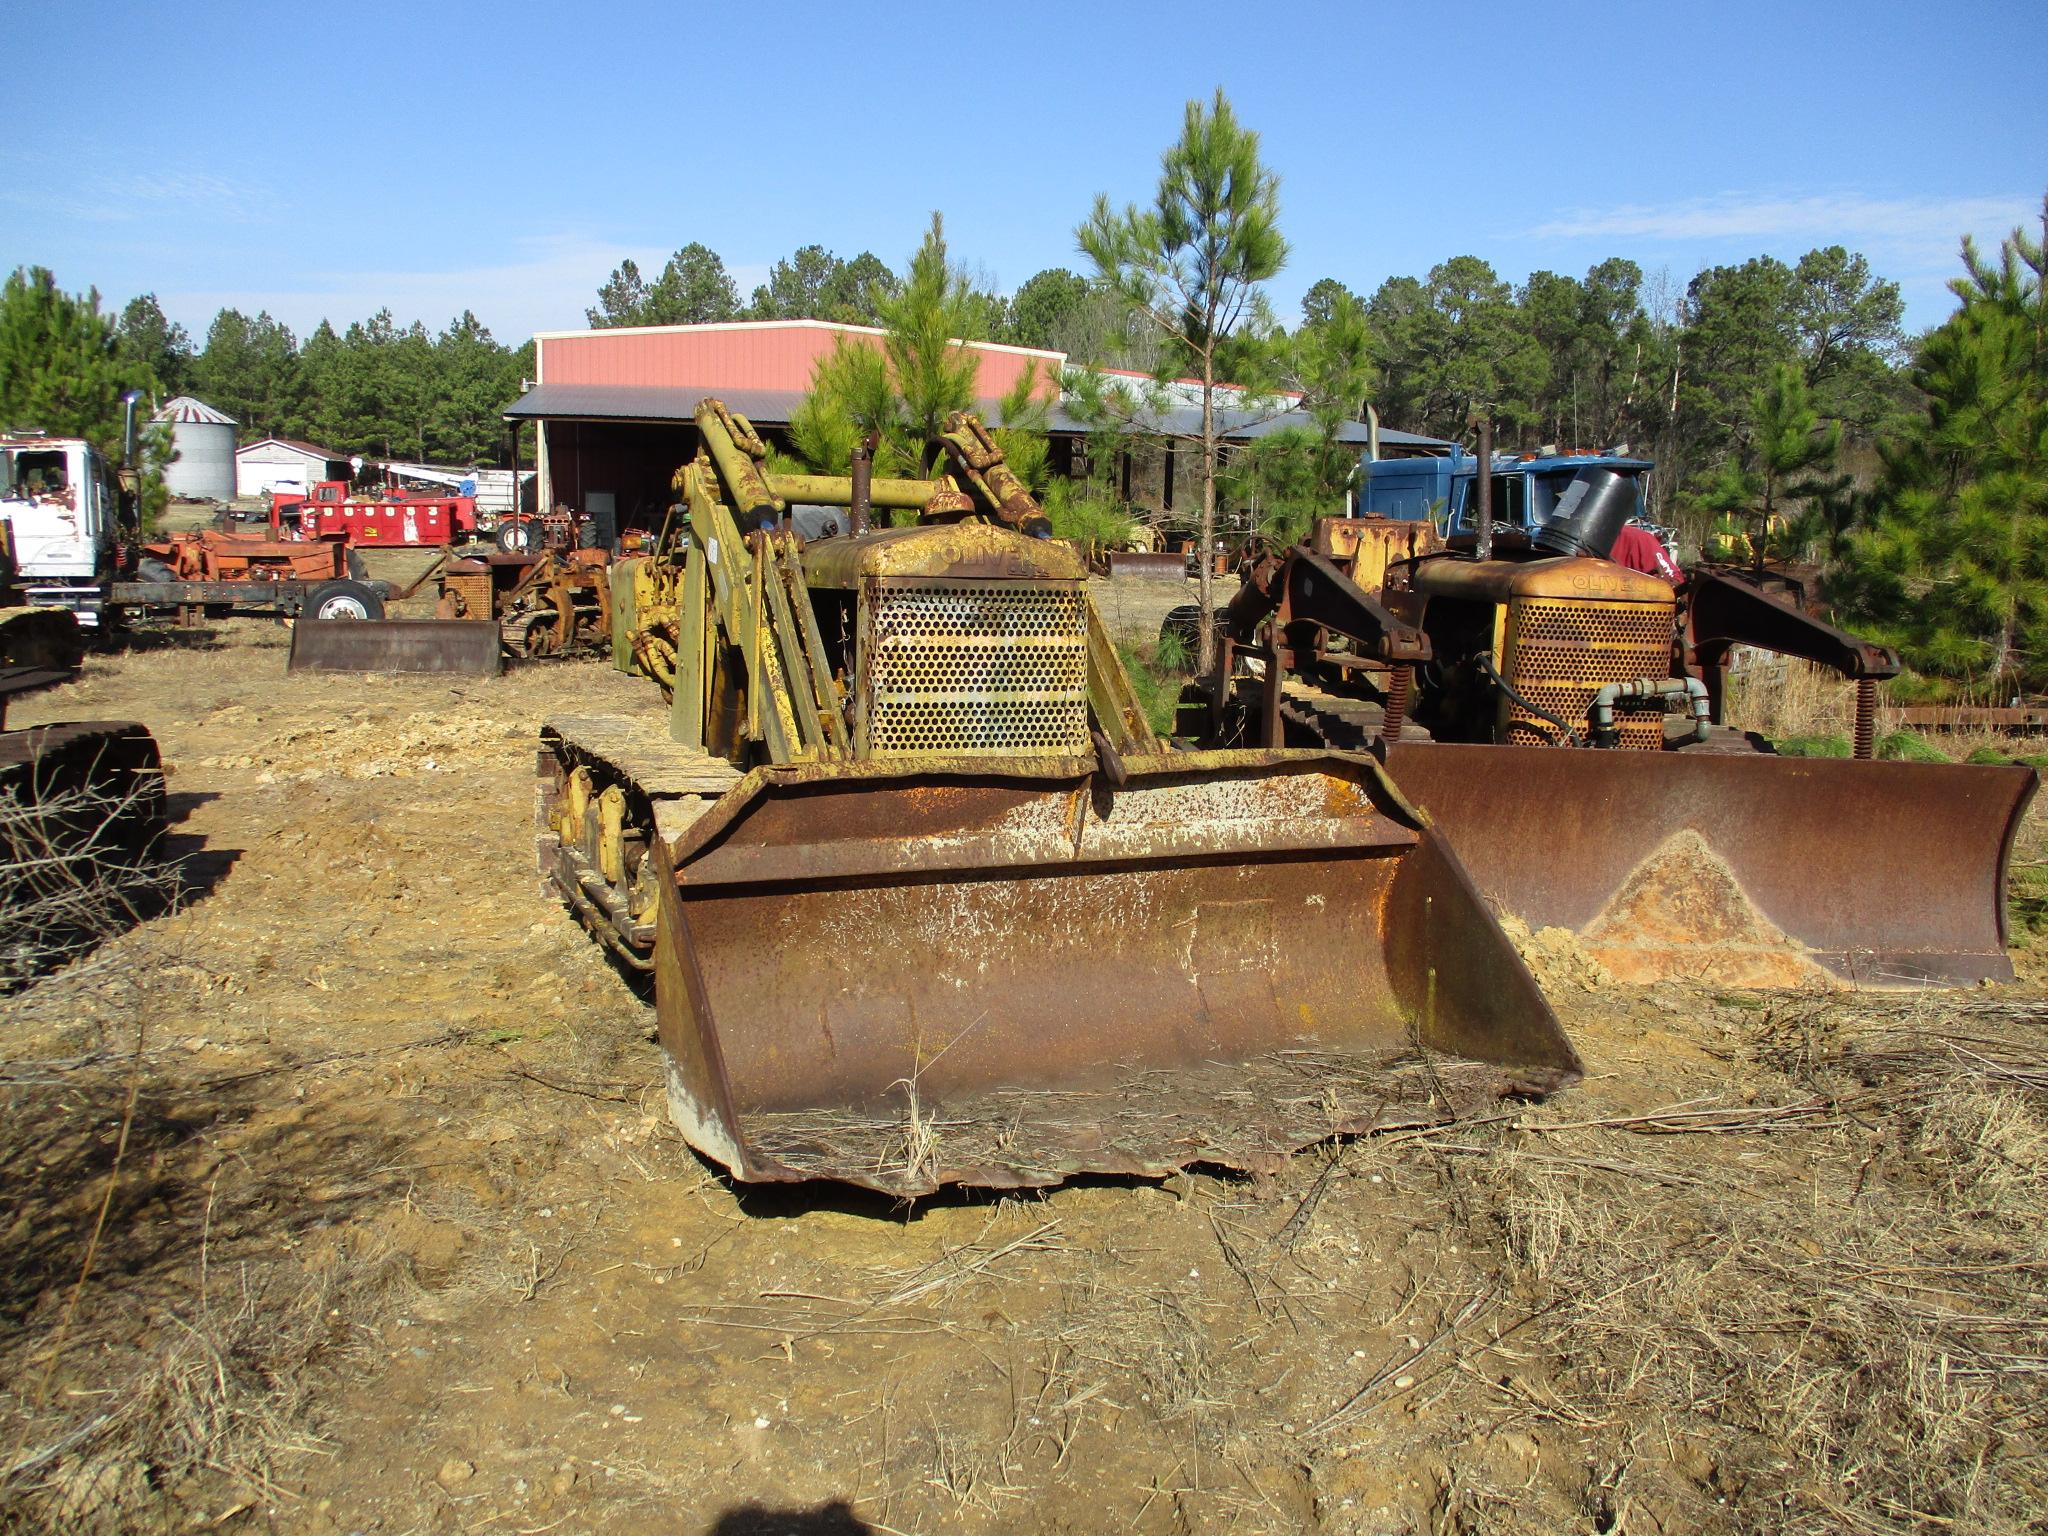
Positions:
(357, 569)
(343, 600)
(517, 536)
(148, 569)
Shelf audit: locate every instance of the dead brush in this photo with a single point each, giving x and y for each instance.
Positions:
(1856, 1325)
(221, 1389)
(1154, 1337)
(66, 881)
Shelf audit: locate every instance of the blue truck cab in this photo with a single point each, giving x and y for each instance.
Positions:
(1525, 489)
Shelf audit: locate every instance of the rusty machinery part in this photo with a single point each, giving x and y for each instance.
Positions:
(978, 465)
(104, 780)
(529, 635)
(1546, 635)
(608, 790)
(1740, 870)
(466, 591)
(906, 808)
(742, 461)
(1723, 610)
(458, 646)
(1314, 960)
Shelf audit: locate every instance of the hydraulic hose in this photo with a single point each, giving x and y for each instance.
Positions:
(1571, 737)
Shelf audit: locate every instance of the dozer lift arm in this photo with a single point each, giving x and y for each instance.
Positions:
(750, 587)
(1305, 588)
(1302, 588)
(1724, 611)
(981, 480)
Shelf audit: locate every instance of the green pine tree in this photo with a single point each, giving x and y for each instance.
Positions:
(899, 394)
(1955, 568)
(1778, 468)
(1191, 268)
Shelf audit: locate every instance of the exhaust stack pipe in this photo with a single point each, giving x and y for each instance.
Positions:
(1590, 514)
(863, 478)
(1482, 490)
(128, 436)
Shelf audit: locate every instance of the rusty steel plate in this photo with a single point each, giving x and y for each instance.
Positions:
(906, 979)
(1745, 870)
(463, 647)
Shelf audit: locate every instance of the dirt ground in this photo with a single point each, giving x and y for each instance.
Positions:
(402, 1240)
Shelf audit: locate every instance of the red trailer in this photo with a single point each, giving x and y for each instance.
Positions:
(401, 519)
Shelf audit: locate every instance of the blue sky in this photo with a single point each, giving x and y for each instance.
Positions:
(327, 160)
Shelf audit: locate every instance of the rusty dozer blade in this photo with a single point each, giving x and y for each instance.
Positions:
(1743, 870)
(465, 647)
(1005, 976)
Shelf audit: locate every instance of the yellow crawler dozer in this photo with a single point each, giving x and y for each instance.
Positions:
(926, 901)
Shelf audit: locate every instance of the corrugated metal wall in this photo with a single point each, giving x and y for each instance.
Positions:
(759, 356)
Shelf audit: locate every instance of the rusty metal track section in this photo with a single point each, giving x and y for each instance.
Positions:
(115, 762)
(1745, 870)
(1006, 976)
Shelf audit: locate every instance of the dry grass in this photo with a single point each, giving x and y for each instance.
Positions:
(1854, 1334)
(1785, 699)
(169, 1311)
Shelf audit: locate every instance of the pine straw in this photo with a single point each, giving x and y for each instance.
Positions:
(181, 1365)
(1853, 1329)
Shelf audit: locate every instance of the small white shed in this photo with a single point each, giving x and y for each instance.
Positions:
(274, 461)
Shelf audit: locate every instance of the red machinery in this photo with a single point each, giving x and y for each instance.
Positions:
(402, 519)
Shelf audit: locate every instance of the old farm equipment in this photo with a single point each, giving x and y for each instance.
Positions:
(1684, 848)
(926, 901)
(557, 603)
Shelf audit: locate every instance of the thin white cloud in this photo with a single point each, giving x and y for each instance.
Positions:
(1913, 234)
(548, 287)
(1914, 240)
(128, 197)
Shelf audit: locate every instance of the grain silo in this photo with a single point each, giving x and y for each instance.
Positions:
(204, 468)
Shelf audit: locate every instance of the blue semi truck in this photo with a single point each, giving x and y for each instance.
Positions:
(1525, 487)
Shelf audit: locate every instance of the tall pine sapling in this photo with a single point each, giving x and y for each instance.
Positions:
(1190, 268)
(1779, 466)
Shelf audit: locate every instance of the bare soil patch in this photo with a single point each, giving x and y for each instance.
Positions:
(401, 1239)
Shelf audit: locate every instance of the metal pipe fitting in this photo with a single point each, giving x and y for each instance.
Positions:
(1643, 689)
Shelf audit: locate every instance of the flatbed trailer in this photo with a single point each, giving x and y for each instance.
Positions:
(334, 599)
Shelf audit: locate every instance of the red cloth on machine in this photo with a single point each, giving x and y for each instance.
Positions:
(1641, 550)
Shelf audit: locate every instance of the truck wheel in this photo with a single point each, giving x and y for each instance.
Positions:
(517, 536)
(343, 600)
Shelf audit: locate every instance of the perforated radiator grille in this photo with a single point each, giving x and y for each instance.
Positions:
(1559, 651)
(968, 668)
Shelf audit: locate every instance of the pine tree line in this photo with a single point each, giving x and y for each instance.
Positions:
(374, 388)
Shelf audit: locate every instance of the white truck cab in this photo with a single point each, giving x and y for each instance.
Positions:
(59, 498)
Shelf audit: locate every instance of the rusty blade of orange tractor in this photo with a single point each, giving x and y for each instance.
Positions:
(1005, 976)
(1745, 870)
(462, 647)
